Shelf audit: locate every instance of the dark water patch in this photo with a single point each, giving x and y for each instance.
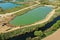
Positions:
(31, 34)
(23, 36)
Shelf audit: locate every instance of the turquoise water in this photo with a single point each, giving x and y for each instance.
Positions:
(32, 16)
(8, 5)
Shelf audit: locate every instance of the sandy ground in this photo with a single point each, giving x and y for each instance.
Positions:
(54, 36)
(3, 28)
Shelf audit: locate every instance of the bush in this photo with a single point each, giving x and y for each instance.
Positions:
(38, 33)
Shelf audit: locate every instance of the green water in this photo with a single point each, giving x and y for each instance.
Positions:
(32, 16)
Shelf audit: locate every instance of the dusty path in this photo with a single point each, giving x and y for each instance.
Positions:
(54, 36)
(40, 22)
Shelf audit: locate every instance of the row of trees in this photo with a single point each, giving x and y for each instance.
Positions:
(38, 35)
(11, 34)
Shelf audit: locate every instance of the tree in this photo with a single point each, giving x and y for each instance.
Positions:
(38, 33)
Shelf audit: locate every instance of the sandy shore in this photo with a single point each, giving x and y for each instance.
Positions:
(54, 36)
